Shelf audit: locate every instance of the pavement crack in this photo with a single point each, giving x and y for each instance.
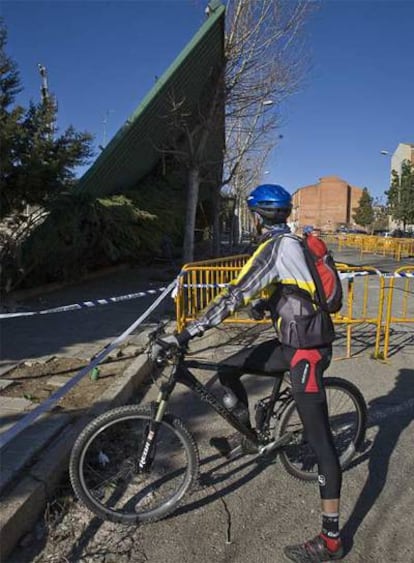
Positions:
(228, 514)
(228, 517)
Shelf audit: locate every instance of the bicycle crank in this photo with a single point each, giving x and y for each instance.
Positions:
(282, 441)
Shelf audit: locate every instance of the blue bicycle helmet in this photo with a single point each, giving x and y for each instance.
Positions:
(272, 202)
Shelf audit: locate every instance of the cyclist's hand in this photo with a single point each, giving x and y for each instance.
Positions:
(167, 342)
(257, 310)
(162, 345)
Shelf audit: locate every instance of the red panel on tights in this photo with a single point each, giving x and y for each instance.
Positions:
(312, 357)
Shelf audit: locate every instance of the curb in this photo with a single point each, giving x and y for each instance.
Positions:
(26, 501)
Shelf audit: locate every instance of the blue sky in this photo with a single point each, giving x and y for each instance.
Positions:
(102, 58)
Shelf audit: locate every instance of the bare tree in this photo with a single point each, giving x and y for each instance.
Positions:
(264, 63)
(190, 132)
(248, 174)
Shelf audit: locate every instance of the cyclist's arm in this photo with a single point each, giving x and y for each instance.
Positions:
(258, 273)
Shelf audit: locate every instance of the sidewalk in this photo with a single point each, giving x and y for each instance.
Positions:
(35, 471)
(35, 461)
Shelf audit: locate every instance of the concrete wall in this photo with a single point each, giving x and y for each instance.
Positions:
(404, 151)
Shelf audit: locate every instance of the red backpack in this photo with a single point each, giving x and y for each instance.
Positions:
(329, 293)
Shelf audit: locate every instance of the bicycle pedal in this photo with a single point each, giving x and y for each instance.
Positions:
(235, 452)
(245, 448)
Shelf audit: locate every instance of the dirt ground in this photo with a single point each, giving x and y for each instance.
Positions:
(36, 381)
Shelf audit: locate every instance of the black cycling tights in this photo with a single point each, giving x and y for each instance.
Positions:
(306, 368)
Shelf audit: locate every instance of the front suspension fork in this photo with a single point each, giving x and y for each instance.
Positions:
(146, 456)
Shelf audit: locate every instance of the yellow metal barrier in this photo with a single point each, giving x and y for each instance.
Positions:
(330, 238)
(402, 281)
(397, 248)
(364, 298)
(201, 282)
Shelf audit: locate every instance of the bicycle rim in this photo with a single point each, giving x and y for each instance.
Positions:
(108, 479)
(347, 422)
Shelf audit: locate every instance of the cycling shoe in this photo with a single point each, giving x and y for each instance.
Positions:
(233, 445)
(313, 551)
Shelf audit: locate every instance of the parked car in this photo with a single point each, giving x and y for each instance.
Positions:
(345, 230)
(399, 233)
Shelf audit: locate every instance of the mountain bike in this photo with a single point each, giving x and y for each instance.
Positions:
(135, 463)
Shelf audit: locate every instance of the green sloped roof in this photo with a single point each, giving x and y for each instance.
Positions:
(132, 152)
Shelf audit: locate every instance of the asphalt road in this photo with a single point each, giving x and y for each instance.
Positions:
(82, 333)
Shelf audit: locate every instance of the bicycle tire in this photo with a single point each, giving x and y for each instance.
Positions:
(297, 456)
(103, 466)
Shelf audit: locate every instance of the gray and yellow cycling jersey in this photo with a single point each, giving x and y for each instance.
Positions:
(279, 266)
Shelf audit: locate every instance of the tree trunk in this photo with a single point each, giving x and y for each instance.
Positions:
(232, 228)
(236, 226)
(193, 181)
(216, 221)
(239, 222)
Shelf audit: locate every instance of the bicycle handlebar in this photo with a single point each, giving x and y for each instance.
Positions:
(166, 352)
(157, 332)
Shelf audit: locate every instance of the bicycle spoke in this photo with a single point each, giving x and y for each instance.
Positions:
(346, 424)
(110, 467)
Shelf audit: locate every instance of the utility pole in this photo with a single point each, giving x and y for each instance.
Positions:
(44, 88)
(48, 101)
(104, 132)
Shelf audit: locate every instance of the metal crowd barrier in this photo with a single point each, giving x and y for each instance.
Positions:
(397, 248)
(200, 282)
(364, 298)
(400, 303)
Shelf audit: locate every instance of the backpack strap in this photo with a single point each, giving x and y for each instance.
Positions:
(320, 300)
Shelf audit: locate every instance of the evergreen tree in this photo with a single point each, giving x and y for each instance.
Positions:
(364, 213)
(394, 197)
(401, 194)
(36, 164)
(9, 117)
(381, 221)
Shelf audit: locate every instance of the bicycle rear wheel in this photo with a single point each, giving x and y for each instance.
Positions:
(347, 419)
(104, 466)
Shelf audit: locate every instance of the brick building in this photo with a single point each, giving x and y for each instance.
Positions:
(326, 205)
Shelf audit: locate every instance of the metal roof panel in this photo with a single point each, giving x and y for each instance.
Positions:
(132, 152)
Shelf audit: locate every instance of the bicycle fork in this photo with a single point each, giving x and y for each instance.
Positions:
(147, 453)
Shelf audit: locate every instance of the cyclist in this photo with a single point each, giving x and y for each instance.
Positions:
(304, 345)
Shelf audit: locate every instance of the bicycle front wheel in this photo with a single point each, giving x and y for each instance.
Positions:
(347, 418)
(104, 466)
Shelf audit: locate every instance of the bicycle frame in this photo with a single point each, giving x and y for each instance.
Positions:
(182, 374)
